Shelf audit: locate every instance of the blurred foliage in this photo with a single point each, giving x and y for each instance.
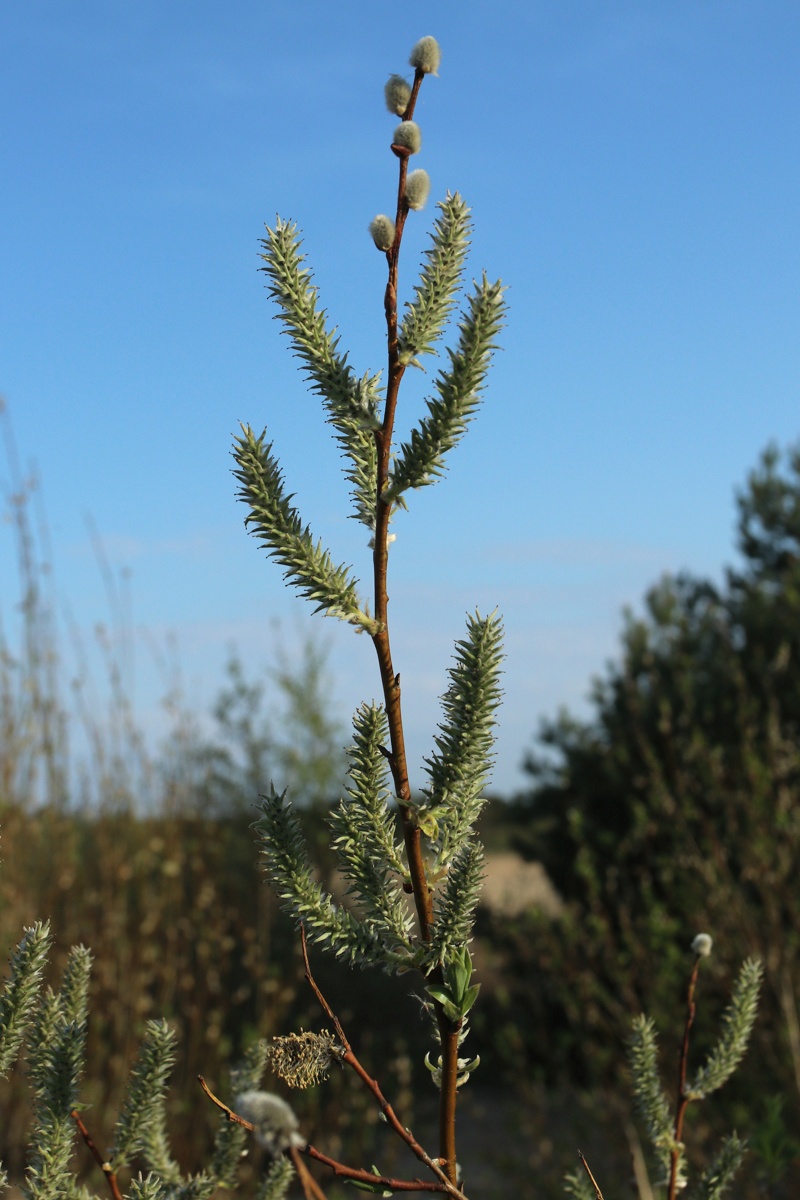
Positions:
(146, 854)
(674, 809)
(181, 925)
(275, 728)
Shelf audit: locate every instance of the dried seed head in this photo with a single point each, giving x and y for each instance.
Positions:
(302, 1059)
(398, 93)
(426, 56)
(275, 1125)
(382, 230)
(418, 186)
(701, 946)
(409, 135)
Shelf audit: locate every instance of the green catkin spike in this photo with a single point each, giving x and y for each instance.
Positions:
(288, 869)
(420, 461)
(717, 1179)
(143, 1100)
(437, 292)
(55, 1064)
(651, 1103)
(457, 900)
(578, 1185)
(364, 835)
(74, 990)
(278, 526)
(277, 1180)
(22, 987)
(737, 1025)
(145, 1187)
(351, 403)
(459, 768)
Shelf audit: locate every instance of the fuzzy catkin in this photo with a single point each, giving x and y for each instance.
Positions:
(426, 56)
(274, 1124)
(382, 229)
(701, 946)
(408, 135)
(418, 187)
(397, 93)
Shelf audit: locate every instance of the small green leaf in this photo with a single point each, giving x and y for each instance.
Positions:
(428, 824)
(439, 994)
(459, 973)
(451, 1010)
(470, 997)
(363, 1186)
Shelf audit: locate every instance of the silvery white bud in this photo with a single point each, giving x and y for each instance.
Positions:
(426, 56)
(390, 537)
(275, 1125)
(398, 93)
(418, 186)
(382, 230)
(409, 135)
(701, 946)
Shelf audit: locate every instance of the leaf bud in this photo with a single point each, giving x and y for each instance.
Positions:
(701, 946)
(426, 56)
(408, 135)
(418, 186)
(382, 230)
(398, 93)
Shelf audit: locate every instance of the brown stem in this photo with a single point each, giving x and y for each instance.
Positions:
(350, 1058)
(390, 680)
(105, 1167)
(790, 1016)
(342, 1171)
(311, 1188)
(592, 1179)
(683, 1099)
(448, 1093)
(229, 1113)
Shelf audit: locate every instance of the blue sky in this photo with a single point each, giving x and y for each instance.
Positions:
(634, 175)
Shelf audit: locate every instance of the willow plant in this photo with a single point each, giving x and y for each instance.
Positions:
(412, 860)
(664, 1125)
(393, 841)
(49, 1027)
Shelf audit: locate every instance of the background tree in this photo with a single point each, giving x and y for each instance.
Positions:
(676, 804)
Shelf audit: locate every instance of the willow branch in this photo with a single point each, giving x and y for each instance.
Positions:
(592, 1179)
(310, 1186)
(103, 1164)
(683, 1099)
(342, 1171)
(390, 680)
(229, 1113)
(349, 1057)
